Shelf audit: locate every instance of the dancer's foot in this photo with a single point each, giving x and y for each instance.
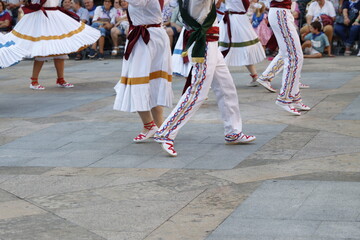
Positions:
(35, 84)
(266, 84)
(253, 82)
(166, 144)
(288, 107)
(60, 82)
(239, 138)
(300, 106)
(301, 85)
(148, 132)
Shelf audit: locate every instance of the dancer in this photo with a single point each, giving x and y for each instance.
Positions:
(50, 32)
(290, 53)
(238, 41)
(209, 69)
(10, 54)
(145, 85)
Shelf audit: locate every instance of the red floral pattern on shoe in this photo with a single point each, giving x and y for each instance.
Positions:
(60, 82)
(151, 126)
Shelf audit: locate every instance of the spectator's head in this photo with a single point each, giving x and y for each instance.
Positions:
(76, 4)
(117, 4)
(66, 4)
(89, 4)
(108, 4)
(124, 4)
(315, 27)
(2, 6)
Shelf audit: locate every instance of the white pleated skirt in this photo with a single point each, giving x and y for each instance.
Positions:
(247, 48)
(10, 54)
(178, 65)
(146, 76)
(51, 35)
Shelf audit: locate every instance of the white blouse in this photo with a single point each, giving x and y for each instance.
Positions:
(144, 12)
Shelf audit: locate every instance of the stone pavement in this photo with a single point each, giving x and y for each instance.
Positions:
(69, 169)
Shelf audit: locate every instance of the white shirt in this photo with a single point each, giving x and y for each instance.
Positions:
(199, 9)
(316, 11)
(235, 5)
(144, 12)
(100, 14)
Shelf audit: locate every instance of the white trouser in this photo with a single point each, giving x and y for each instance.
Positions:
(273, 69)
(215, 74)
(282, 24)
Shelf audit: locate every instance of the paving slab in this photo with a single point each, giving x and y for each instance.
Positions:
(295, 209)
(44, 226)
(352, 112)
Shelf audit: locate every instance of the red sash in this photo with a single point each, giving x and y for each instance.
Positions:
(226, 20)
(36, 7)
(135, 33)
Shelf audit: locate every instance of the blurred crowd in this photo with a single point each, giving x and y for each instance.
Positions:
(326, 27)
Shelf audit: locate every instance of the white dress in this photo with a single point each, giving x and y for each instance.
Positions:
(246, 48)
(178, 65)
(52, 35)
(146, 76)
(10, 54)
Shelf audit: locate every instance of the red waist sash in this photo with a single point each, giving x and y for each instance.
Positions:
(136, 32)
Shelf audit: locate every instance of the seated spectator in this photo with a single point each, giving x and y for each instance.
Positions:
(295, 11)
(104, 20)
(167, 11)
(89, 5)
(5, 19)
(315, 42)
(66, 4)
(13, 7)
(174, 28)
(82, 12)
(84, 17)
(121, 26)
(323, 11)
(347, 26)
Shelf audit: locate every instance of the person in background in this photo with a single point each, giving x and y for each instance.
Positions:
(66, 4)
(315, 42)
(13, 6)
(5, 19)
(83, 13)
(349, 29)
(260, 24)
(323, 11)
(104, 20)
(56, 34)
(238, 41)
(121, 26)
(174, 28)
(295, 11)
(89, 5)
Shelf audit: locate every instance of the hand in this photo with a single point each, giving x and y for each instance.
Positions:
(346, 21)
(356, 23)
